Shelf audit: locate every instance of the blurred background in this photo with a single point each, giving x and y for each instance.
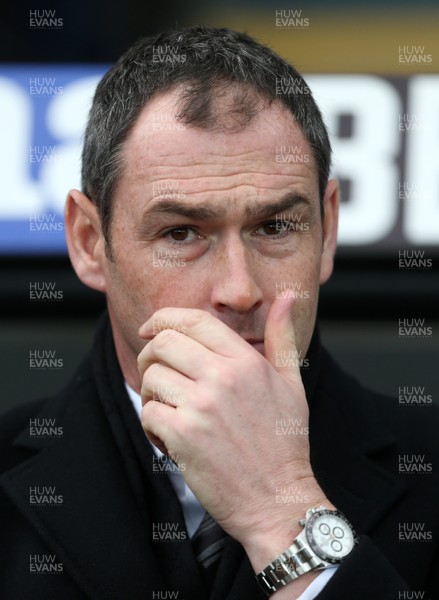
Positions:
(373, 68)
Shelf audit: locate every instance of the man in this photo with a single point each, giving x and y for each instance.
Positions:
(198, 237)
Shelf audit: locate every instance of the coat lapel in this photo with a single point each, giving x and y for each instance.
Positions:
(105, 548)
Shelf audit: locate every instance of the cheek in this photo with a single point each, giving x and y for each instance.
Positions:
(296, 275)
(170, 288)
(158, 282)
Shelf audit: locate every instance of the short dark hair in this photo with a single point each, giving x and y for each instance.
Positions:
(205, 62)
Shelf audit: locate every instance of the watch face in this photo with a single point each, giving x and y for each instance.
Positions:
(330, 535)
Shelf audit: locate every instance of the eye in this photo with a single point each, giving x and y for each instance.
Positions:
(270, 228)
(277, 229)
(181, 234)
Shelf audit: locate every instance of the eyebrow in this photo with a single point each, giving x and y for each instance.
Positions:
(175, 207)
(287, 202)
(204, 213)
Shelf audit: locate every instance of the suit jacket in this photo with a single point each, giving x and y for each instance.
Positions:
(79, 501)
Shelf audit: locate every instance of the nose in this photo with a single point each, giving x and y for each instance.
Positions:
(234, 287)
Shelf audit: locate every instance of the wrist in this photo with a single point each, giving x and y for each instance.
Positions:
(327, 539)
(280, 525)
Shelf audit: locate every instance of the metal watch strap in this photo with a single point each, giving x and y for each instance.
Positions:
(288, 566)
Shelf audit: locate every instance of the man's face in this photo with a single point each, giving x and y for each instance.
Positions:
(217, 221)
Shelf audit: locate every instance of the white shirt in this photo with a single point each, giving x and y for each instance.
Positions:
(193, 511)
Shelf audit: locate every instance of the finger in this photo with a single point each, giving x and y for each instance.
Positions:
(199, 325)
(177, 351)
(163, 384)
(280, 342)
(155, 417)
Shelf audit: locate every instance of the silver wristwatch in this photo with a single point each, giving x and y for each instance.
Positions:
(326, 540)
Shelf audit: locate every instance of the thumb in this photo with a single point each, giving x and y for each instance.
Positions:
(279, 339)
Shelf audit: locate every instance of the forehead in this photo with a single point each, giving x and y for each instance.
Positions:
(269, 153)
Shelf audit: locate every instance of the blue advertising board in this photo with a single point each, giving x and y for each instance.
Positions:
(383, 130)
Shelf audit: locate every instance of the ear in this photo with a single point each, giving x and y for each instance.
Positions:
(85, 240)
(330, 226)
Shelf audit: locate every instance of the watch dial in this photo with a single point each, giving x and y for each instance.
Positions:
(330, 536)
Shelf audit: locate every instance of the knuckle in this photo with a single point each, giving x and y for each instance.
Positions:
(185, 430)
(209, 404)
(140, 360)
(164, 339)
(227, 375)
(254, 363)
(149, 377)
(152, 371)
(215, 374)
(196, 317)
(145, 415)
